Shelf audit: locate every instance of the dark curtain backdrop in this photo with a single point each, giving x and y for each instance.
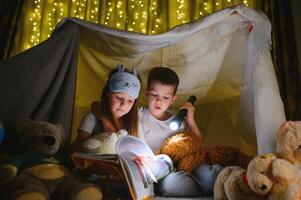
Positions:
(284, 52)
(10, 14)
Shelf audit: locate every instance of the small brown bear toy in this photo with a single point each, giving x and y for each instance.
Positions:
(187, 151)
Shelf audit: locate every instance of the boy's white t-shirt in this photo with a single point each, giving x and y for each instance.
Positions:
(153, 131)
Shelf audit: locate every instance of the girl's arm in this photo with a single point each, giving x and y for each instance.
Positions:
(83, 135)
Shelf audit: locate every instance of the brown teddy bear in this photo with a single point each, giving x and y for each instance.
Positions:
(187, 151)
(235, 183)
(39, 172)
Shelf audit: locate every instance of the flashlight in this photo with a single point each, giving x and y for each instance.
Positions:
(179, 118)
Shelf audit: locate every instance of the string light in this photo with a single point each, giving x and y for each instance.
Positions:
(146, 16)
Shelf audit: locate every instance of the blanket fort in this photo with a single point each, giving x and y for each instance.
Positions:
(223, 60)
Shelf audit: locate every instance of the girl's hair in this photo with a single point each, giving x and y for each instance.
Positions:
(129, 121)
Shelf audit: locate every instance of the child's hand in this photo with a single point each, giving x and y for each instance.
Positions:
(190, 111)
(83, 135)
(190, 118)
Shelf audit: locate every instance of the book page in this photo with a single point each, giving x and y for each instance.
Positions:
(105, 157)
(136, 176)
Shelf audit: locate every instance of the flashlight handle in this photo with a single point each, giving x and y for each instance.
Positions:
(183, 112)
(192, 99)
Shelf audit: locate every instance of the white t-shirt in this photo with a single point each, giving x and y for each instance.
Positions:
(153, 131)
(90, 124)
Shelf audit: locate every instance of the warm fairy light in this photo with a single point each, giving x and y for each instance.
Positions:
(146, 16)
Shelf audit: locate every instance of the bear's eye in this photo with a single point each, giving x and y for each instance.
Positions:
(262, 172)
(299, 147)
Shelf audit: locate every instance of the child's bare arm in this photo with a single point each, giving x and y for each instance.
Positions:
(190, 118)
(83, 135)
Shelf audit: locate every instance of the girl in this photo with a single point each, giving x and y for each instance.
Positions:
(118, 106)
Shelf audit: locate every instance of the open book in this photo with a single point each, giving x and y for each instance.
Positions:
(134, 162)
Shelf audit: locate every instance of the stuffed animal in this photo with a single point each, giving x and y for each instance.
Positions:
(39, 172)
(286, 181)
(103, 143)
(267, 177)
(187, 151)
(289, 148)
(289, 141)
(236, 183)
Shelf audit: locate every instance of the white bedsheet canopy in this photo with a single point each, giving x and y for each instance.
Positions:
(223, 59)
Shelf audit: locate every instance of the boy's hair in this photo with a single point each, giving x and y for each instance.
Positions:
(129, 121)
(165, 76)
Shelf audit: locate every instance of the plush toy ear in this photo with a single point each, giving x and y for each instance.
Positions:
(282, 169)
(283, 175)
(120, 68)
(134, 71)
(62, 131)
(284, 128)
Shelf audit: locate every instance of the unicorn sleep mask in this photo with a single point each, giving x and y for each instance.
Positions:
(123, 81)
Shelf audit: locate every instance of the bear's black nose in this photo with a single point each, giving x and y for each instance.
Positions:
(263, 187)
(49, 140)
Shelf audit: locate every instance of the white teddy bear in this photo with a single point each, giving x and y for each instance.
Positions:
(103, 143)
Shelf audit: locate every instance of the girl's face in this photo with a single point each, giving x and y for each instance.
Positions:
(121, 103)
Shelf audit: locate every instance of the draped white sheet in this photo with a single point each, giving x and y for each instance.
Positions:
(223, 59)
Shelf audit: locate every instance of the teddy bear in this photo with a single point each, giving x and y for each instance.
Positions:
(289, 148)
(102, 143)
(187, 151)
(286, 180)
(39, 172)
(236, 183)
(289, 141)
(266, 177)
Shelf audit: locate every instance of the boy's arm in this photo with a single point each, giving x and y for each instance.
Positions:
(190, 118)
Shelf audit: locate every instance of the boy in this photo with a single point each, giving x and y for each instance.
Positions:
(154, 119)
(153, 128)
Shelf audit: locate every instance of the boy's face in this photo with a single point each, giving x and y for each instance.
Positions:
(159, 97)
